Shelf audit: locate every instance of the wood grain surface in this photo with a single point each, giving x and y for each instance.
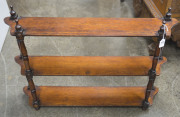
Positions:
(90, 96)
(90, 65)
(112, 27)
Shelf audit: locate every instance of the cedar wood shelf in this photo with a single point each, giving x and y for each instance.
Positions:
(88, 65)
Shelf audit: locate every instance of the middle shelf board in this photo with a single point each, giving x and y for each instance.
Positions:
(90, 65)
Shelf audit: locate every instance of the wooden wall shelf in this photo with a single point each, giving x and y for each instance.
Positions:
(89, 65)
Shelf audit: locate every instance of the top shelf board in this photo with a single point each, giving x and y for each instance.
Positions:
(90, 27)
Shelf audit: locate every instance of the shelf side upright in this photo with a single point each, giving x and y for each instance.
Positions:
(152, 72)
(24, 56)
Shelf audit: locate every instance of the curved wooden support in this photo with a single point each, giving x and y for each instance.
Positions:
(112, 27)
(90, 65)
(90, 96)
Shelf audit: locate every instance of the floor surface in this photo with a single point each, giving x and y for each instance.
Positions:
(14, 103)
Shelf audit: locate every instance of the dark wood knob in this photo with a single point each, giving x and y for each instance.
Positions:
(164, 22)
(17, 27)
(169, 12)
(13, 13)
(168, 15)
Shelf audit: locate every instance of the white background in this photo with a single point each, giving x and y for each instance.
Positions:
(4, 12)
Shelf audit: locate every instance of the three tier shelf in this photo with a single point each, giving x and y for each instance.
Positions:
(89, 65)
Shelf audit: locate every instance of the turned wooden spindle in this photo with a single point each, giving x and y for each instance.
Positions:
(13, 13)
(29, 74)
(18, 27)
(152, 71)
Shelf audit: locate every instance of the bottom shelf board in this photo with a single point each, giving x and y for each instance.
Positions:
(90, 96)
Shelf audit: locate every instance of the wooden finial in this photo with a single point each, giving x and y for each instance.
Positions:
(13, 13)
(162, 28)
(164, 22)
(18, 27)
(168, 15)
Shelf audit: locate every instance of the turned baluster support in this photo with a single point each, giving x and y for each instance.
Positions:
(29, 73)
(152, 71)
